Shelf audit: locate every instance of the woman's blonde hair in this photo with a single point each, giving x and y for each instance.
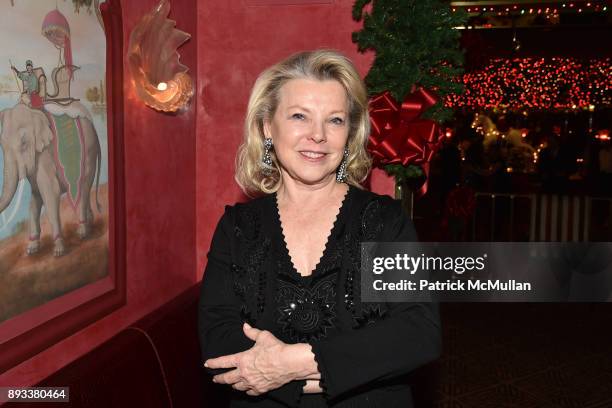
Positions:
(321, 65)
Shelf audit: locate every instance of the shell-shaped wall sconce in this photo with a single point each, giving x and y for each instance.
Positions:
(161, 81)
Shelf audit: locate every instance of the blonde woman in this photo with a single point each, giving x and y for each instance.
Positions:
(280, 316)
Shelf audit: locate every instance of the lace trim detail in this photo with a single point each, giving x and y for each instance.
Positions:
(248, 223)
(240, 277)
(327, 261)
(370, 226)
(371, 221)
(371, 314)
(306, 304)
(249, 279)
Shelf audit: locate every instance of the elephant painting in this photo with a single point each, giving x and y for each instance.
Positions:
(29, 140)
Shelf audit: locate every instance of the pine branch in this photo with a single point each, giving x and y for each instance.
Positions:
(416, 45)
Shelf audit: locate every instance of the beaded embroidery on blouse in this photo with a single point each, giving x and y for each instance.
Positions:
(305, 311)
(248, 277)
(371, 225)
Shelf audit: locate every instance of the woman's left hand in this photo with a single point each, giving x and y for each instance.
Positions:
(258, 370)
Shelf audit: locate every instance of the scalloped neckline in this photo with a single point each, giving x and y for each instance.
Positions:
(332, 232)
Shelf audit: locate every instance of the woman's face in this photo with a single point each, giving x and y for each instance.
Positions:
(309, 129)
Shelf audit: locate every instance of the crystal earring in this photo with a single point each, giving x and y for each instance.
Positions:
(341, 173)
(267, 163)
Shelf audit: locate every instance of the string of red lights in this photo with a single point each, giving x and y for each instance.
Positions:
(537, 84)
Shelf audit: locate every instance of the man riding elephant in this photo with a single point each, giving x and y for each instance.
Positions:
(31, 89)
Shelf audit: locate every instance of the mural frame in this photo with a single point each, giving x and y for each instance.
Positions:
(90, 305)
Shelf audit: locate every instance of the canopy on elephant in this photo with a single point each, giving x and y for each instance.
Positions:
(56, 29)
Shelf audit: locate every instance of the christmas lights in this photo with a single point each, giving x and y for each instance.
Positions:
(545, 8)
(537, 83)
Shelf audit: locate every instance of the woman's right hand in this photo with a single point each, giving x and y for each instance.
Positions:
(258, 370)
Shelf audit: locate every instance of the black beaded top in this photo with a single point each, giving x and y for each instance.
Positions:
(250, 277)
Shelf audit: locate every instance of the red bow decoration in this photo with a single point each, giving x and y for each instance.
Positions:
(398, 135)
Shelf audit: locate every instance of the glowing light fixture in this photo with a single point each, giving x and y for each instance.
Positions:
(160, 80)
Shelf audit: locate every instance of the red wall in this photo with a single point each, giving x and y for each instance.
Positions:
(235, 43)
(160, 212)
(179, 169)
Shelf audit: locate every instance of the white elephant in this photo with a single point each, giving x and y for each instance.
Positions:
(27, 142)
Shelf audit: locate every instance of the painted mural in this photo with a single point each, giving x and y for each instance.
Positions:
(54, 154)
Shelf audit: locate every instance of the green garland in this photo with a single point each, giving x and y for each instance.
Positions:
(416, 45)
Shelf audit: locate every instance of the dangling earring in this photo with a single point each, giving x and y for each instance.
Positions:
(341, 173)
(267, 163)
